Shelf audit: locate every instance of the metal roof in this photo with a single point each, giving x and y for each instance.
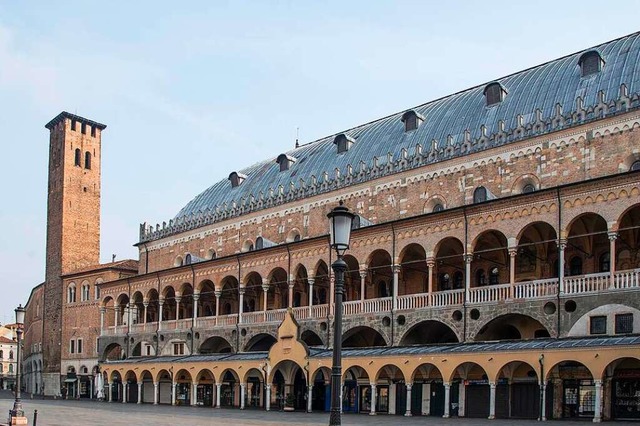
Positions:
(452, 127)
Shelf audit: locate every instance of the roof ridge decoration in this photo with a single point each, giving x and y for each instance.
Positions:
(543, 99)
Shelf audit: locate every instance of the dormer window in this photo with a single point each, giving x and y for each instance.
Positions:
(590, 63)
(285, 161)
(343, 142)
(262, 243)
(482, 194)
(236, 178)
(412, 120)
(494, 93)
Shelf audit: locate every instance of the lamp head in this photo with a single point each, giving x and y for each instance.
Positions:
(20, 311)
(340, 220)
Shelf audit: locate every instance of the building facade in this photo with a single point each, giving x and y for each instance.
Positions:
(494, 262)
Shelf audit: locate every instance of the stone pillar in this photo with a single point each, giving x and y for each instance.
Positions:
(218, 294)
(173, 393)
(218, 387)
(178, 300)
(447, 399)
(243, 390)
(431, 263)
(408, 409)
(241, 306)
(613, 236)
(311, 281)
(396, 273)
(140, 393)
(156, 392)
(309, 398)
(290, 285)
(194, 394)
(125, 388)
(268, 398)
(160, 305)
(543, 409)
(374, 389)
(467, 276)
(102, 310)
(110, 391)
(492, 400)
(116, 313)
(363, 280)
(196, 298)
(146, 306)
(265, 295)
(513, 251)
(128, 308)
(462, 399)
(597, 415)
(561, 246)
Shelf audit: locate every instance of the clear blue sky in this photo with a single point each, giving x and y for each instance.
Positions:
(191, 91)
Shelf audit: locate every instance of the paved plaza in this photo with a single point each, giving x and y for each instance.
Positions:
(57, 412)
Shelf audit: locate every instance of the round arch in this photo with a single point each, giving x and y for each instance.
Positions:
(511, 326)
(260, 343)
(216, 345)
(362, 337)
(428, 332)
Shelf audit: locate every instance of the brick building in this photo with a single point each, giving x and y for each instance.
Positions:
(493, 267)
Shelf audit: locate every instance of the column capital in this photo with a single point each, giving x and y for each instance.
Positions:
(562, 243)
(178, 299)
(409, 386)
(103, 309)
(612, 235)
(161, 301)
(217, 293)
(265, 287)
(597, 382)
(431, 262)
(492, 385)
(513, 251)
(196, 296)
(363, 273)
(145, 303)
(468, 258)
(396, 268)
(241, 290)
(311, 280)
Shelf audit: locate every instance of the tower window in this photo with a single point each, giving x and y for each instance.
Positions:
(590, 63)
(73, 125)
(480, 194)
(343, 142)
(83, 128)
(78, 157)
(87, 160)
(93, 131)
(285, 161)
(494, 93)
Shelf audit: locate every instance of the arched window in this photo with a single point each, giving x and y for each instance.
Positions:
(438, 208)
(11, 354)
(481, 278)
(211, 254)
(78, 157)
(444, 282)
(178, 262)
(322, 296)
(87, 160)
(590, 63)
(575, 266)
(382, 289)
(635, 166)
(71, 293)
(458, 280)
(227, 308)
(528, 188)
(480, 194)
(10, 368)
(1, 354)
(494, 276)
(605, 262)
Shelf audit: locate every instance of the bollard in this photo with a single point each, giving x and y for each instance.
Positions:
(35, 417)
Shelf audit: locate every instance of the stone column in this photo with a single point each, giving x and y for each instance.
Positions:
(462, 399)
(408, 409)
(178, 300)
(268, 398)
(160, 305)
(102, 310)
(146, 306)
(156, 392)
(447, 399)
(597, 415)
(194, 394)
(196, 298)
(467, 276)
(218, 387)
(110, 390)
(173, 393)
(363, 282)
(512, 271)
(561, 246)
(241, 306)
(125, 388)
(492, 400)
(265, 295)
(543, 409)
(290, 285)
(311, 281)
(431, 263)
(116, 312)
(128, 308)
(309, 399)
(394, 292)
(613, 236)
(218, 294)
(243, 390)
(374, 389)
(140, 393)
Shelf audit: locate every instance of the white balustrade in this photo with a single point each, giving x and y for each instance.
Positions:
(413, 301)
(352, 307)
(591, 283)
(231, 319)
(319, 311)
(206, 322)
(252, 317)
(447, 298)
(490, 293)
(536, 289)
(301, 312)
(276, 315)
(382, 304)
(627, 279)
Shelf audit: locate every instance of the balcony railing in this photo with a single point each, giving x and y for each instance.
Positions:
(537, 289)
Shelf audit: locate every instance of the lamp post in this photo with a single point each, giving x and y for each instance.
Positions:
(340, 219)
(17, 414)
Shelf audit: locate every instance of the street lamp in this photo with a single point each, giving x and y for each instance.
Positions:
(17, 414)
(340, 219)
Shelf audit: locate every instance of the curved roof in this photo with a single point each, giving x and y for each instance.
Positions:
(450, 122)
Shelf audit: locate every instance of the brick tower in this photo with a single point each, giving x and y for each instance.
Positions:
(73, 222)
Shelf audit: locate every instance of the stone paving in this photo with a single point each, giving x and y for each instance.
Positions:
(56, 412)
